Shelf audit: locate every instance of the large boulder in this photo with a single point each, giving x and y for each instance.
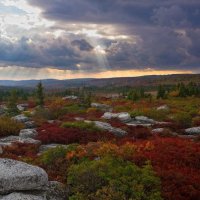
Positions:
(28, 133)
(24, 196)
(21, 118)
(106, 126)
(19, 176)
(193, 131)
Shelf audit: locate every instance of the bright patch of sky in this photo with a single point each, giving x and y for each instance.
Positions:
(17, 17)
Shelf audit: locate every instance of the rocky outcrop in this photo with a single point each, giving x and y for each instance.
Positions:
(158, 130)
(144, 119)
(106, 126)
(19, 176)
(100, 106)
(193, 131)
(124, 117)
(21, 181)
(72, 97)
(163, 107)
(28, 133)
(23, 196)
(141, 121)
(30, 124)
(29, 141)
(7, 141)
(22, 107)
(21, 118)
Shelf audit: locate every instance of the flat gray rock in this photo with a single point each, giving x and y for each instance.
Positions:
(23, 196)
(135, 123)
(22, 107)
(101, 106)
(9, 139)
(144, 119)
(30, 124)
(158, 130)
(6, 141)
(29, 141)
(72, 97)
(28, 133)
(21, 118)
(193, 131)
(123, 116)
(163, 108)
(106, 126)
(19, 176)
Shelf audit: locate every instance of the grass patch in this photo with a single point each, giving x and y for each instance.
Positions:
(81, 125)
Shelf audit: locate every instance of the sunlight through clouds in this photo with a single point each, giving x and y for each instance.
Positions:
(63, 39)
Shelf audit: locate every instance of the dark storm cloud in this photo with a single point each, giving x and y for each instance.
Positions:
(169, 30)
(83, 45)
(163, 34)
(40, 52)
(137, 12)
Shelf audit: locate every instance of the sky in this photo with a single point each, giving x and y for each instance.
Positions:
(67, 39)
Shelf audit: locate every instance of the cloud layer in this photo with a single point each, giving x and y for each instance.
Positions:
(98, 36)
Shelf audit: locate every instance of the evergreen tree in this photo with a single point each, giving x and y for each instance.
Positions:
(142, 93)
(161, 92)
(40, 94)
(12, 103)
(182, 90)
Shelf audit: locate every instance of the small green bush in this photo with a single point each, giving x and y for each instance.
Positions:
(51, 155)
(75, 109)
(183, 119)
(9, 127)
(113, 179)
(81, 125)
(160, 115)
(136, 113)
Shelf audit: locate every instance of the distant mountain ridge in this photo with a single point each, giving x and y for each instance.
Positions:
(152, 80)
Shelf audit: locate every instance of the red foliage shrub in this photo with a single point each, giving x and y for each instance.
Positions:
(20, 149)
(177, 162)
(53, 133)
(139, 132)
(31, 104)
(93, 114)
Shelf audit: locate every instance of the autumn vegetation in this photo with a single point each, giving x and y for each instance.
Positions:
(96, 164)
